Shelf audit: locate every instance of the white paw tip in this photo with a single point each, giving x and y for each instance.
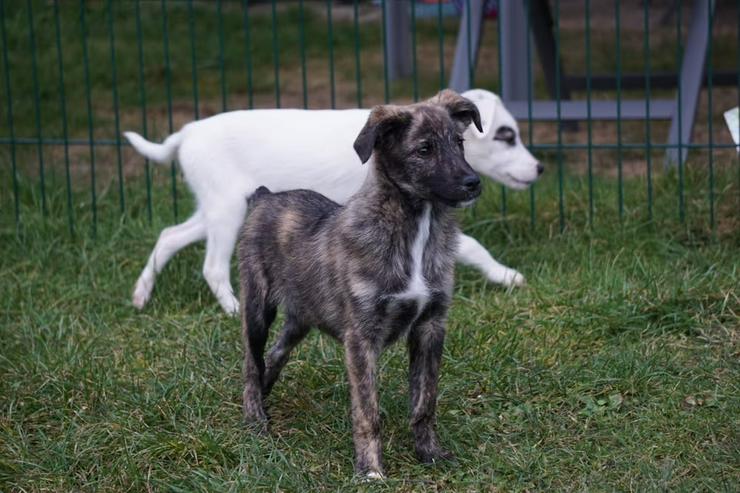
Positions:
(518, 280)
(374, 475)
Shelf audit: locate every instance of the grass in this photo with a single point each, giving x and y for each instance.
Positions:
(614, 369)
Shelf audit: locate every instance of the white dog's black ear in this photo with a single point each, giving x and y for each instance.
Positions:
(487, 103)
(382, 119)
(461, 109)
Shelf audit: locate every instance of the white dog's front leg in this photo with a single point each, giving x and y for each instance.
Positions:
(470, 252)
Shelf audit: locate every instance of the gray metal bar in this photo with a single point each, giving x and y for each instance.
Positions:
(513, 22)
(692, 72)
(460, 75)
(660, 109)
(399, 38)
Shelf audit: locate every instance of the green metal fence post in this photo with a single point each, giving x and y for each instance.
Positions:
(358, 73)
(168, 88)
(648, 138)
(501, 15)
(330, 28)
(709, 74)
(116, 112)
(561, 198)
(302, 38)
(386, 86)
(276, 54)
(193, 59)
(589, 119)
(620, 171)
(221, 59)
(90, 126)
(142, 99)
(441, 36)
(37, 108)
(11, 124)
(679, 65)
(530, 122)
(63, 110)
(248, 52)
(413, 52)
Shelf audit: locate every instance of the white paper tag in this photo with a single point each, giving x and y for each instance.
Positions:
(733, 123)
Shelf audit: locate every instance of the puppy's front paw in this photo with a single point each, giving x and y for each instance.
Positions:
(515, 279)
(431, 455)
(141, 295)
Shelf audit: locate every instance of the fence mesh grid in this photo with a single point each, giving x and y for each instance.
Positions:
(77, 74)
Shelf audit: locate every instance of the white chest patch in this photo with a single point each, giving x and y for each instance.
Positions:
(417, 288)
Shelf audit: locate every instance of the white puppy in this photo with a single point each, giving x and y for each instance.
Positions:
(226, 157)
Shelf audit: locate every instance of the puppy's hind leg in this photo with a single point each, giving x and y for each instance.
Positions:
(292, 333)
(171, 240)
(257, 316)
(223, 230)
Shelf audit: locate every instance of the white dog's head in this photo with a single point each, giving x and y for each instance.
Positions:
(498, 151)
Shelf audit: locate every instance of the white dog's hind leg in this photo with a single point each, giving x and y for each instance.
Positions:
(470, 252)
(220, 242)
(171, 240)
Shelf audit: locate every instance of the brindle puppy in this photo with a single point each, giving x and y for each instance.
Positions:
(367, 273)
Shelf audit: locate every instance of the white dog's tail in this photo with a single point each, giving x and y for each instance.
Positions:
(160, 153)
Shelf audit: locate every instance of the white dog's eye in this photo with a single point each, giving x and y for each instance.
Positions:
(506, 134)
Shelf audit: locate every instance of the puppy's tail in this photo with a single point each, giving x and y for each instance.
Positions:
(160, 153)
(260, 192)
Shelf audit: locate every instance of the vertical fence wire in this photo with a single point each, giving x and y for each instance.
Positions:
(561, 198)
(276, 54)
(358, 71)
(441, 36)
(63, 111)
(11, 124)
(221, 58)
(709, 74)
(501, 16)
(737, 70)
(193, 58)
(90, 132)
(467, 34)
(142, 102)
(530, 122)
(248, 52)
(330, 32)
(37, 108)
(386, 86)
(679, 109)
(589, 120)
(302, 39)
(414, 68)
(648, 138)
(168, 89)
(116, 111)
(620, 171)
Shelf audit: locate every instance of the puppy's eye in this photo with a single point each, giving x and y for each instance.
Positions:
(460, 141)
(506, 134)
(424, 150)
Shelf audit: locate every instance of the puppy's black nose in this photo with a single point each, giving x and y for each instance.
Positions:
(471, 183)
(540, 169)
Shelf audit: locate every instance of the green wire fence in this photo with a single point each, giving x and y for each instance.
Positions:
(77, 74)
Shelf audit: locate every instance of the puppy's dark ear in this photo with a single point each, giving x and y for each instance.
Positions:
(382, 120)
(461, 109)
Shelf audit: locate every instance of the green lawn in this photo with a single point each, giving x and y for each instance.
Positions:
(615, 368)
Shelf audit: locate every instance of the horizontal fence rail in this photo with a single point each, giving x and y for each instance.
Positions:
(622, 100)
